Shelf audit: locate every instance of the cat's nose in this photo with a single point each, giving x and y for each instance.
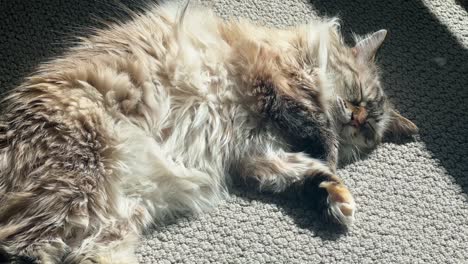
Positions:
(359, 116)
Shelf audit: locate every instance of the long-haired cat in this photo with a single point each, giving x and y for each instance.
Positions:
(150, 119)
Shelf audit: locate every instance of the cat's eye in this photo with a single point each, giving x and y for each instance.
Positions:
(355, 103)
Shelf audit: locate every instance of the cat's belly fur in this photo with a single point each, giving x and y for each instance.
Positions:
(181, 165)
(176, 149)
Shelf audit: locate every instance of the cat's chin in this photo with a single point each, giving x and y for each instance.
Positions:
(349, 153)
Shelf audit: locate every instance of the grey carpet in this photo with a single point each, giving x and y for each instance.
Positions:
(412, 196)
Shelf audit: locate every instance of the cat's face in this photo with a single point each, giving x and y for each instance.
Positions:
(362, 111)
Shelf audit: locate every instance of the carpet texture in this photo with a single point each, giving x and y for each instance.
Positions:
(411, 196)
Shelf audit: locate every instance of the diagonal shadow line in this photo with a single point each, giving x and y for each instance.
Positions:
(462, 3)
(425, 72)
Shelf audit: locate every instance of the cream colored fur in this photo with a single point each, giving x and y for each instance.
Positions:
(162, 112)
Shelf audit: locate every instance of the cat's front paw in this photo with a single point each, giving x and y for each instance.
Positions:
(343, 113)
(330, 196)
(340, 202)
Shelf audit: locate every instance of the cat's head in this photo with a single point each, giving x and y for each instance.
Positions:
(289, 78)
(362, 111)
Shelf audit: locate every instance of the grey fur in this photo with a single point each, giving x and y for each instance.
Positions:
(122, 131)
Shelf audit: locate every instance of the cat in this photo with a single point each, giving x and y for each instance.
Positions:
(150, 119)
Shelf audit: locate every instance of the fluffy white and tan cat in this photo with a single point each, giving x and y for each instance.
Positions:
(150, 119)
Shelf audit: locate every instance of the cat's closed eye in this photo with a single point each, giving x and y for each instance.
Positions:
(355, 103)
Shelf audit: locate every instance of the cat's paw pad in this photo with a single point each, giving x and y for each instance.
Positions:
(341, 205)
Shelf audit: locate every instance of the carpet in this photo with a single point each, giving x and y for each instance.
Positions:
(411, 195)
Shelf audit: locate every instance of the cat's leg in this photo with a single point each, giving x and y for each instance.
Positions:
(330, 143)
(287, 95)
(166, 186)
(170, 189)
(277, 170)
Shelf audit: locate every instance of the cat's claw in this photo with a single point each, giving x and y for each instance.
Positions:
(341, 205)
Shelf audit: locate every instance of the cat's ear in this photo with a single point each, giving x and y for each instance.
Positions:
(366, 49)
(401, 126)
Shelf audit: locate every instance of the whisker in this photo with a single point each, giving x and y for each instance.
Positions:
(355, 153)
(372, 127)
(358, 153)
